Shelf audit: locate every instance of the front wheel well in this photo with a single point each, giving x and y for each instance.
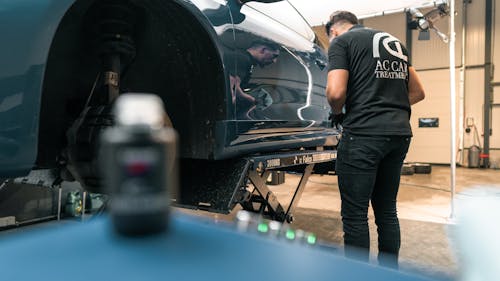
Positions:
(176, 58)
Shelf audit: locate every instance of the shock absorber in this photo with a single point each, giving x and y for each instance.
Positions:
(111, 25)
(115, 28)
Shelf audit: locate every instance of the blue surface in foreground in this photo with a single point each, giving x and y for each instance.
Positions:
(193, 249)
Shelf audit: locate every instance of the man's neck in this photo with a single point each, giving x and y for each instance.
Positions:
(345, 27)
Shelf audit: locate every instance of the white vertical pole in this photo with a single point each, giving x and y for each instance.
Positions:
(461, 92)
(453, 105)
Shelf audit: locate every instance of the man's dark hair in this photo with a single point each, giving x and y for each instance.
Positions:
(327, 28)
(340, 16)
(268, 44)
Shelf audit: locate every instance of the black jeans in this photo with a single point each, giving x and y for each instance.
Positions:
(369, 168)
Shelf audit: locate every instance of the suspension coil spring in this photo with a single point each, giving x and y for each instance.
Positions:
(115, 25)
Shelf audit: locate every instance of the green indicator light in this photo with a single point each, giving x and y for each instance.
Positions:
(311, 239)
(262, 227)
(290, 234)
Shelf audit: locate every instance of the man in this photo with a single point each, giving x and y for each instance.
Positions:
(370, 76)
(260, 53)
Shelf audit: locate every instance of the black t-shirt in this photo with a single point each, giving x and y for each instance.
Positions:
(377, 100)
(240, 63)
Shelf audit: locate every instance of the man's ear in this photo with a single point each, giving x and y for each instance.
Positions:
(335, 32)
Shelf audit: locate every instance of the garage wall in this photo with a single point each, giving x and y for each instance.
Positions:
(474, 83)
(495, 137)
(495, 123)
(434, 53)
(395, 24)
(475, 33)
(474, 100)
(432, 145)
(431, 59)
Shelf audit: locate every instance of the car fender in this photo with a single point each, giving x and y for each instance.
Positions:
(27, 28)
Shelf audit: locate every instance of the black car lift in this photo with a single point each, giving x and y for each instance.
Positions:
(217, 187)
(226, 183)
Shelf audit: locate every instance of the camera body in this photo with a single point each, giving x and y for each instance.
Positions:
(139, 166)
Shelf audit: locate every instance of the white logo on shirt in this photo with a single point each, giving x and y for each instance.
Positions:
(389, 68)
(388, 39)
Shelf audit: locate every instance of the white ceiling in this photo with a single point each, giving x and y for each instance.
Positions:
(317, 12)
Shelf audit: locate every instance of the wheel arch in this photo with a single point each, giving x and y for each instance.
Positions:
(178, 57)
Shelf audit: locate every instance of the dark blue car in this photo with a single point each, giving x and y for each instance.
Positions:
(237, 79)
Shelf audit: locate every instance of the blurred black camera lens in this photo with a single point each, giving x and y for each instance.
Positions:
(139, 166)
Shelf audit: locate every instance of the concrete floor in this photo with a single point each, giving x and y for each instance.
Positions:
(424, 211)
(423, 208)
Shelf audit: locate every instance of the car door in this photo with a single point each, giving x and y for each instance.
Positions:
(281, 74)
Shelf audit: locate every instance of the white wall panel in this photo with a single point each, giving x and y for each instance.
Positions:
(495, 128)
(495, 159)
(495, 121)
(475, 33)
(495, 138)
(496, 42)
(474, 100)
(434, 53)
(432, 145)
(496, 94)
(395, 24)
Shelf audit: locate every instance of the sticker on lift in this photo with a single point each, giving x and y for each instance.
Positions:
(272, 163)
(314, 158)
(324, 157)
(303, 159)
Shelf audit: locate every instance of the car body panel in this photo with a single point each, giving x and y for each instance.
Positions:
(291, 113)
(289, 92)
(27, 28)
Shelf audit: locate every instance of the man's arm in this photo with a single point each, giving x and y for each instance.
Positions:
(336, 89)
(415, 89)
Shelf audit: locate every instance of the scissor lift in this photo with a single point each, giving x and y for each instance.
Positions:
(224, 184)
(217, 187)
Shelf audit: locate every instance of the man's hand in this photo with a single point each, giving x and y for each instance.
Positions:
(336, 120)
